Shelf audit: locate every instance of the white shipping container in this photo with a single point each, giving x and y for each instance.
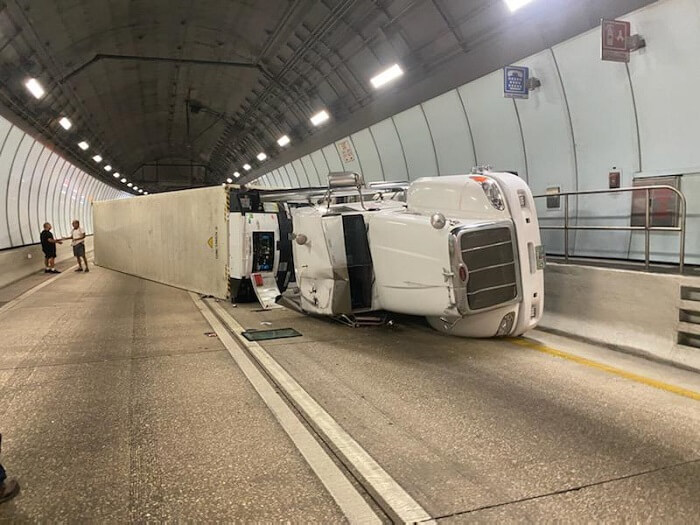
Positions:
(176, 238)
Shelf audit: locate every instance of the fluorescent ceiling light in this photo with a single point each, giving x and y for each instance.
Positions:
(140, 191)
(136, 188)
(320, 117)
(108, 168)
(262, 156)
(130, 185)
(246, 167)
(123, 180)
(65, 123)
(97, 158)
(83, 145)
(283, 140)
(116, 175)
(229, 180)
(35, 88)
(236, 174)
(145, 193)
(514, 5)
(386, 76)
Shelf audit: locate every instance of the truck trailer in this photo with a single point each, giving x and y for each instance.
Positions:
(464, 251)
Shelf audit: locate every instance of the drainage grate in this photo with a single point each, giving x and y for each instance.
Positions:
(266, 335)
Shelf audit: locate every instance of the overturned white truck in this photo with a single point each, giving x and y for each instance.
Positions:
(464, 251)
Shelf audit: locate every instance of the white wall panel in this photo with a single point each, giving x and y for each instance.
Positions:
(311, 171)
(494, 124)
(322, 167)
(301, 173)
(665, 77)
(35, 191)
(549, 149)
(30, 163)
(291, 175)
(332, 158)
(451, 134)
(417, 143)
(603, 120)
(7, 167)
(368, 156)
(390, 151)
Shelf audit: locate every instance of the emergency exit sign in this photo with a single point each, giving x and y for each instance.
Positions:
(615, 35)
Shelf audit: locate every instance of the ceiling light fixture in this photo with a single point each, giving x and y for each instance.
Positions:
(140, 191)
(283, 140)
(386, 76)
(229, 180)
(136, 188)
(514, 5)
(130, 185)
(246, 167)
(123, 180)
(108, 168)
(116, 175)
(83, 145)
(320, 117)
(236, 174)
(145, 193)
(262, 156)
(97, 158)
(65, 123)
(35, 88)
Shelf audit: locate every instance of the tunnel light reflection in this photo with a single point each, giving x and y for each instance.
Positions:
(514, 5)
(65, 123)
(386, 76)
(320, 117)
(35, 88)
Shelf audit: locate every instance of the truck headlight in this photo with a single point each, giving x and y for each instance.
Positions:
(506, 325)
(492, 191)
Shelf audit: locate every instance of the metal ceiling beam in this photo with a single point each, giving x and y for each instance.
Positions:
(136, 58)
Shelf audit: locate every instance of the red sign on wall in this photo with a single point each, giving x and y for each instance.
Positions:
(615, 34)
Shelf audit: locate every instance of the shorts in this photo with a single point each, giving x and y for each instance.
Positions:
(79, 250)
(50, 254)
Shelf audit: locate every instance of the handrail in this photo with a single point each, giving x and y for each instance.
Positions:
(647, 228)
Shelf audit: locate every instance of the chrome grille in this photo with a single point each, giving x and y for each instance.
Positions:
(490, 259)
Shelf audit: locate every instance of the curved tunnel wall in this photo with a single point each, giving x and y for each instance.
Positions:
(587, 117)
(38, 185)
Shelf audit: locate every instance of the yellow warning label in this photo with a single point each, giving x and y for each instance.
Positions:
(210, 242)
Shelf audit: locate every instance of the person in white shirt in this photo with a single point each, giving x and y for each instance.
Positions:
(78, 243)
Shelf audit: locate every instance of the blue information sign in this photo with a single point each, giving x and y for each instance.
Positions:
(515, 80)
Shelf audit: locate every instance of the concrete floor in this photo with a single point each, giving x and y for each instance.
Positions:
(492, 431)
(116, 407)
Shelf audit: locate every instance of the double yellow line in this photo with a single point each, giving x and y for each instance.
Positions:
(534, 345)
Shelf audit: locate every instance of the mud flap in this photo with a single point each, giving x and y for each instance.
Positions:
(265, 287)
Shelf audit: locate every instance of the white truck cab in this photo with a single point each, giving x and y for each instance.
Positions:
(464, 251)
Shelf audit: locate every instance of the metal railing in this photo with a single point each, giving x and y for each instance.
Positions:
(647, 228)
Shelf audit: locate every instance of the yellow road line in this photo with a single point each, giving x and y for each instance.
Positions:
(534, 345)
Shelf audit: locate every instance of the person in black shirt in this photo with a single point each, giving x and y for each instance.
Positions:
(48, 246)
(9, 487)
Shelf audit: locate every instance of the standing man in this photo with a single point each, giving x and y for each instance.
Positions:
(48, 246)
(78, 243)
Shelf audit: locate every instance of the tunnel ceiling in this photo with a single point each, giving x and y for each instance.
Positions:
(210, 83)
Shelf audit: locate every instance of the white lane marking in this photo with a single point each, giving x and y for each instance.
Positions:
(398, 503)
(352, 504)
(14, 302)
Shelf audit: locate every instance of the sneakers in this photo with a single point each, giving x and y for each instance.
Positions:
(78, 269)
(8, 490)
(87, 270)
(54, 270)
(47, 270)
